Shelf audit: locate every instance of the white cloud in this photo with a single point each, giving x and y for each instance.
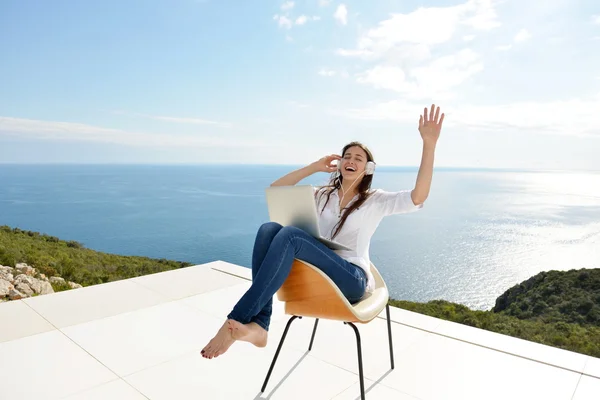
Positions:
(301, 20)
(71, 131)
(288, 5)
(596, 19)
(448, 72)
(285, 21)
(282, 21)
(522, 36)
(400, 30)
(405, 43)
(557, 40)
(435, 80)
(179, 120)
(298, 104)
(341, 14)
(504, 47)
(400, 53)
(415, 28)
(326, 72)
(330, 72)
(324, 3)
(387, 77)
(194, 121)
(480, 14)
(578, 117)
(396, 110)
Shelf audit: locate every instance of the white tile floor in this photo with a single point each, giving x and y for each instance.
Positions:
(588, 388)
(140, 339)
(592, 367)
(117, 389)
(72, 307)
(47, 366)
(29, 321)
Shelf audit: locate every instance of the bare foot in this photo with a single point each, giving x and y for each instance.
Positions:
(220, 343)
(252, 333)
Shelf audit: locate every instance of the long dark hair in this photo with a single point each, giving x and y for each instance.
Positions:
(336, 182)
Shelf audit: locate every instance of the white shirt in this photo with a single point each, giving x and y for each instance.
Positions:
(361, 223)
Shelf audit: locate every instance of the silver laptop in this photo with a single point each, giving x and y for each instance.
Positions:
(295, 206)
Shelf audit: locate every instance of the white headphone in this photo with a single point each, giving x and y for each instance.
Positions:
(369, 169)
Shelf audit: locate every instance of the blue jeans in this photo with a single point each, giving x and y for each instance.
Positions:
(275, 249)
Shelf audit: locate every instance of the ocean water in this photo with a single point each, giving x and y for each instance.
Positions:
(480, 232)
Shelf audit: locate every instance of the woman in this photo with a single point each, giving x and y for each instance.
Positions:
(349, 213)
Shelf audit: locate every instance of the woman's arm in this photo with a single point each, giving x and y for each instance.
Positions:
(430, 127)
(425, 175)
(295, 176)
(321, 165)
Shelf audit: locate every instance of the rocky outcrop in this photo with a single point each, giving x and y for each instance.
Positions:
(24, 281)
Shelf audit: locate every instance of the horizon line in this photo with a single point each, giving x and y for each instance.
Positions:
(385, 166)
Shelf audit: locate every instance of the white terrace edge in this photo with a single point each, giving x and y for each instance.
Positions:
(532, 351)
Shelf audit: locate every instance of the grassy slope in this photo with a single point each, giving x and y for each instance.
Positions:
(555, 296)
(72, 261)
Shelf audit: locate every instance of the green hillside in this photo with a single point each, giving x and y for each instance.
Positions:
(70, 260)
(568, 296)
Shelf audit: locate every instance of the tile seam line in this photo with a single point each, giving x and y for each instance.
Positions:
(579, 380)
(357, 375)
(576, 387)
(231, 273)
(169, 300)
(88, 353)
(339, 393)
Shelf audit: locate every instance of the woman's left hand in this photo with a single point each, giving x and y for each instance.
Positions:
(430, 125)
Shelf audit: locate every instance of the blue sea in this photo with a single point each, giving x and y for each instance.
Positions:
(480, 232)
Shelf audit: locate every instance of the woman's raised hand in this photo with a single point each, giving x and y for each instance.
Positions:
(324, 164)
(431, 125)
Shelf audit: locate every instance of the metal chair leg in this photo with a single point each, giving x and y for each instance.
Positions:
(389, 325)
(277, 352)
(313, 334)
(358, 347)
(360, 366)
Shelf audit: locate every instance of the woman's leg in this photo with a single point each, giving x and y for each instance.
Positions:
(290, 243)
(264, 237)
(223, 339)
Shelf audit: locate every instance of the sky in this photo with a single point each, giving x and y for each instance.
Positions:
(287, 82)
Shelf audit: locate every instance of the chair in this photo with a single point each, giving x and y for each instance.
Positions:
(309, 292)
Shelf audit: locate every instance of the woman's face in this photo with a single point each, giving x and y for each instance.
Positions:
(354, 162)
